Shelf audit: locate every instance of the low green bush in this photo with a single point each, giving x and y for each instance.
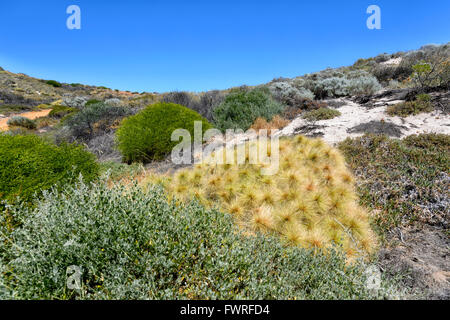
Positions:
(92, 101)
(97, 242)
(321, 114)
(241, 108)
(59, 112)
(12, 108)
(19, 121)
(28, 164)
(53, 83)
(404, 180)
(408, 108)
(147, 135)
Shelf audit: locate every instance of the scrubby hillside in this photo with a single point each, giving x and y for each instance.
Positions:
(361, 189)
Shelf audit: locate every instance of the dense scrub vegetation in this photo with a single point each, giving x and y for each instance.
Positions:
(128, 244)
(403, 180)
(147, 135)
(28, 165)
(309, 201)
(242, 107)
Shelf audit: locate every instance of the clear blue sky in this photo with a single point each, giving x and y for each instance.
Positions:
(201, 45)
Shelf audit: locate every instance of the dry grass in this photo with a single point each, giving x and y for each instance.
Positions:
(310, 202)
(276, 123)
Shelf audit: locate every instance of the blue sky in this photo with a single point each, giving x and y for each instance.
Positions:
(202, 45)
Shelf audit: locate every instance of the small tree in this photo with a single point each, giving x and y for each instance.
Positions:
(434, 71)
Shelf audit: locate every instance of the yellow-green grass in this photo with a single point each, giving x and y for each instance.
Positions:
(310, 201)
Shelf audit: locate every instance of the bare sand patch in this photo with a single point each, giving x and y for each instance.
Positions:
(30, 115)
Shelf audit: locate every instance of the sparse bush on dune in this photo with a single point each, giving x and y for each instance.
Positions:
(19, 121)
(242, 107)
(28, 164)
(134, 244)
(309, 202)
(146, 136)
(94, 119)
(203, 103)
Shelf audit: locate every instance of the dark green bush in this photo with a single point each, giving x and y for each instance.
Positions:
(132, 244)
(19, 121)
(321, 114)
(147, 135)
(408, 108)
(28, 164)
(241, 108)
(59, 112)
(54, 83)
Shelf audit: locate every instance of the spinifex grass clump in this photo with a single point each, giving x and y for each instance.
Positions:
(310, 201)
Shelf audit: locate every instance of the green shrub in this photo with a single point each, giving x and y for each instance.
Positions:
(241, 108)
(59, 112)
(132, 244)
(147, 135)
(53, 83)
(19, 121)
(92, 119)
(92, 101)
(28, 164)
(321, 114)
(408, 108)
(13, 108)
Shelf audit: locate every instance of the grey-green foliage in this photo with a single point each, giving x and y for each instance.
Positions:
(133, 244)
(335, 83)
(283, 90)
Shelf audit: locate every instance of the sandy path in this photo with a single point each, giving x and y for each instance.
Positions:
(30, 115)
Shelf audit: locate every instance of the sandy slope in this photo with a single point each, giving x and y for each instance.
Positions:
(30, 115)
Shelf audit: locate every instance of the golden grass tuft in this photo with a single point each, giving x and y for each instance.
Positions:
(310, 201)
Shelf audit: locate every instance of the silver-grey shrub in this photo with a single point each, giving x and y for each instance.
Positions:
(134, 244)
(283, 90)
(366, 85)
